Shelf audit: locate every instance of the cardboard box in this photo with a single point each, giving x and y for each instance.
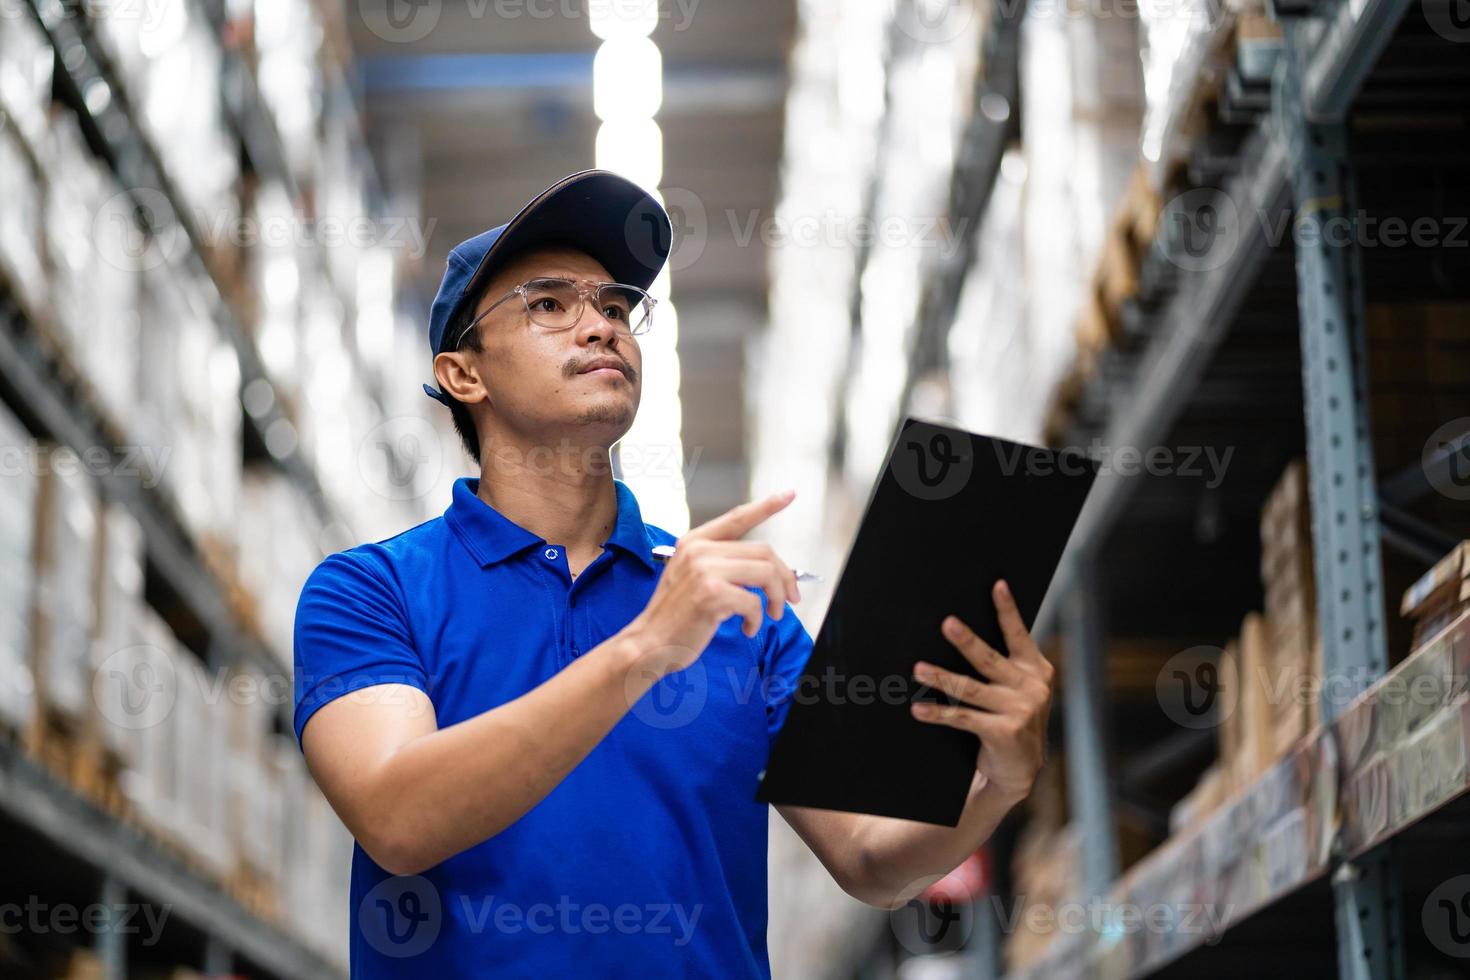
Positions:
(19, 491)
(65, 612)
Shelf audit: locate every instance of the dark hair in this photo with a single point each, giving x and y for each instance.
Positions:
(464, 422)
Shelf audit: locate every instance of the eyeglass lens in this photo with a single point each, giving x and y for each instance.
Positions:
(557, 304)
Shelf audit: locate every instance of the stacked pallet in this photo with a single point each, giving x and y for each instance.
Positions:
(1440, 597)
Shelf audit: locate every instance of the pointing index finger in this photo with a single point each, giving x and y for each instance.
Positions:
(740, 520)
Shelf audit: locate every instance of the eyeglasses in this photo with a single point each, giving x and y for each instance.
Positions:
(554, 303)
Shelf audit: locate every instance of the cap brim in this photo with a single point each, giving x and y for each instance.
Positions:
(607, 216)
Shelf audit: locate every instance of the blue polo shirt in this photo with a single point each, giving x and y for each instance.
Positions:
(649, 859)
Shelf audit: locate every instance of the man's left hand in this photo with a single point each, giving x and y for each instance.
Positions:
(1007, 707)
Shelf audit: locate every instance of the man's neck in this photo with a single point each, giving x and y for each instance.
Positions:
(566, 497)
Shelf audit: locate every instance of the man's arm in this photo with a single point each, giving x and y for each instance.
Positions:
(885, 861)
(413, 794)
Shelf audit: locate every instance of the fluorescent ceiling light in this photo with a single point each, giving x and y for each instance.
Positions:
(614, 19)
(633, 148)
(627, 80)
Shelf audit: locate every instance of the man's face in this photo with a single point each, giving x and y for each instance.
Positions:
(538, 379)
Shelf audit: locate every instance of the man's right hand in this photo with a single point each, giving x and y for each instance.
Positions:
(705, 583)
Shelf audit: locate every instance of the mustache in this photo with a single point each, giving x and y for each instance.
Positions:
(574, 366)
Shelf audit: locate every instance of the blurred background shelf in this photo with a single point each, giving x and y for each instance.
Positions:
(78, 854)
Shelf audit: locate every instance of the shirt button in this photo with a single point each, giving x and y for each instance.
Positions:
(551, 554)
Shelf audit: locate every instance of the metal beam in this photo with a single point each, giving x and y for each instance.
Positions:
(1345, 519)
(1084, 727)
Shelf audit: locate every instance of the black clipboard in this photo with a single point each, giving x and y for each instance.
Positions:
(950, 513)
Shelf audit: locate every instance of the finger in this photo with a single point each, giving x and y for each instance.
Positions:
(1018, 639)
(975, 693)
(747, 605)
(740, 520)
(984, 724)
(991, 665)
(761, 551)
(760, 574)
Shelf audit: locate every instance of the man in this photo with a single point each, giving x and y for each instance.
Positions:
(484, 698)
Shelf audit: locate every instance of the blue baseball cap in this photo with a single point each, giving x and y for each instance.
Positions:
(609, 217)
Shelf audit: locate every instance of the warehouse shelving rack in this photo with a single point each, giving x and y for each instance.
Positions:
(1188, 348)
(63, 844)
(1298, 151)
(67, 836)
(84, 65)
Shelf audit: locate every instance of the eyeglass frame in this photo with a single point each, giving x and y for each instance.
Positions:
(592, 286)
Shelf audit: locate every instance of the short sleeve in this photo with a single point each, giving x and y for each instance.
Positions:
(787, 645)
(351, 632)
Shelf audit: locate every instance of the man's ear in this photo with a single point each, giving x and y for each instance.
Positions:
(459, 378)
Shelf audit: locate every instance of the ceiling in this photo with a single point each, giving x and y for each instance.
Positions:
(480, 104)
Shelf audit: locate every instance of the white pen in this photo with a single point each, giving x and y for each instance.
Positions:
(663, 552)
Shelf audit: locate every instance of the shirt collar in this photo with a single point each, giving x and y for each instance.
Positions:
(491, 537)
